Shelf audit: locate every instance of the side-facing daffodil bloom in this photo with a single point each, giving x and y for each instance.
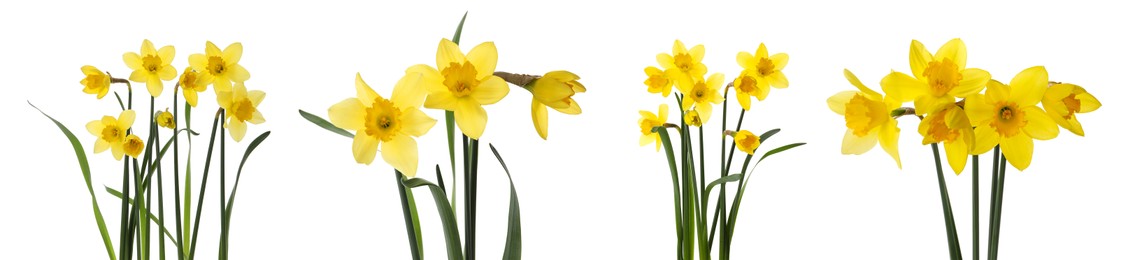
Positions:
(95, 82)
(684, 65)
(241, 107)
(133, 146)
(151, 66)
(392, 122)
(868, 119)
(463, 83)
(1008, 116)
(746, 141)
(555, 89)
(1063, 101)
(111, 133)
(165, 119)
(647, 124)
(937, 79)
(657, 81)
(702, 95)
(760, 71)
(692, 118)
(192, 83)
(223, 66)
(950, 125)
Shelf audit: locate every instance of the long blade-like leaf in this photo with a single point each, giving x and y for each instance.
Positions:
(80, 153)
(450, 226)
(779, 150)
(665, 135)
(152, 217)
(231, 199)
(324, 124)
(513, 236)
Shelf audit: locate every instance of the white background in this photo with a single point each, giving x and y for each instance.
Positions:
(589, 191)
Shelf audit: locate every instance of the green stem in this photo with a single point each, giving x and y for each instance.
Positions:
(996, 222)
(124, 247)
(994, 196)
(411, 236)
(203, 190)
(223, 189)
(160, 197)
(674, 178)
(949, 222)
(176, 175)
(975, 206)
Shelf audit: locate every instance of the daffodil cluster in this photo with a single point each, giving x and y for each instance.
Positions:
(153, 68)
(697, 95)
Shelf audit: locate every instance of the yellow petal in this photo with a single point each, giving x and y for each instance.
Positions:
(705, 110)
(902, 88)
(238, 73)
(197, 62)
(778, 80)
(746, 100)
(415, 122)
(117, 150)
(761, 51)
(490, 91)
(167, 53)
(441, 100)
(256, 97)
(1028, 86)
(647, 139)
(837, 102)
(147, 48)
(666, 61)
(471, 118)
(1070, 124)
(348, 114)
(1018, 149)
(853, 144)
(979, 112)
(927, 104)
(974, 80)
(858, 83)
(954, 50)
(237, 128)
(1038, 124)
(484, 58)
(889, 135)
(364, 147)
(132, 60)
(167, 72)
(432, 80)
(997, 92)
(139, 76)
(222, 84)
(697, 53)
(211, 50)
(957, 155)
(745, 60)
(126, 118)
(663, 113)
(233, 53)
(986, 137)
(448, 53)
(1089, 103)
(257, 118)
(540, 119)
(224, 99)
(101, 145)
(403, 154)
(780, 61)
(155, 86)
(95, 128)
(191, 97)
(919, 57)
(409, 91)
(364, 92)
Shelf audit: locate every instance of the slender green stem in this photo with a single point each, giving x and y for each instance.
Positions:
(124, 247)
(160, 198)
(203, 190)
(223, 189)
(994, 196)
(993, 247)
(411, 236)
(950, 225)
(176, 175)
(975, 206)
(677, 194)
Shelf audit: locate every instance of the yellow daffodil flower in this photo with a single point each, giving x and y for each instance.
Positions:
(684, 65)
(1008, 116)
(702, 95)
(241, 107)
(463, 83)
(760, 71)
(392, 122)
(746, 141)
(692, 118)
(647, 124)
(937, 79)
(657, 81)
(151, 66)
(223, 66)
(165, 119)
(1063, 101)
(949, 125)
(868, 119)
(192, 83)
(555, 89)
(111, 133)
(95, 82)
(133, 146)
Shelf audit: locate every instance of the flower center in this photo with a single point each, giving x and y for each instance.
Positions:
(1072, 105)
(188, 80)
(382, 120)
(863, 115)
(1009, 121)
(683, 61)
(243, 109)
(95, 81)
(747, 84)
(765, 67)
(151, 63)
(112, 134)
(939, 131)
(459, 78)
(943, 76)
(216, 65)
(647, 125)
(656, 81)
(133, 146)
(699, 91)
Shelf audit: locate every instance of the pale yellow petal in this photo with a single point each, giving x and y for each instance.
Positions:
(155, 86)
(409, 91)
(237, 128)
(402, 153)
(745, 60)
(761, 51)
(666, 61)
(778, 80)
(126, 118)
(95, 128)
(101, 145)
(1018, 149)
(919, 57)
(117, 150)
(997, 92)
(441, 100)
(903, 88)
(1089, 103)
(853, 144)
(954, 50)
(448, 53)
(139, 76)
(364, 92)
(1038, 124)
(167, 53)
(974, 80)
(132, 60)
(858, 83)
(663, 113)
(540, 119)
(490, 91)
(1028, 86)
(927, 104)
(697, 53)
(233, 53)
(780, 60)
(484, 58)
(415, 122)
(705, 110)
(957, 155)
(746, 100)
(197, 62)
(256, 96)
(471, 118)
(364, 147)
(837, 102)
(889, 135)
(238, 74)
(168, 72)
(348, 114)
(257, 118)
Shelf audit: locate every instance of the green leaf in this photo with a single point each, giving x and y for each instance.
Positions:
(779, 150)
(80, 153)
(769, 133)
(226, 234)
(718, 181)
(156, 220)
(513, 236)
(119, 100)
(450, 149)
(450, 226)
(458, 31)
(324, 124)
(665, 135)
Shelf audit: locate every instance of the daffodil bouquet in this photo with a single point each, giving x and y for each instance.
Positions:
(989, 115)
(460, 85)
(695, 97)
(145, 159)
